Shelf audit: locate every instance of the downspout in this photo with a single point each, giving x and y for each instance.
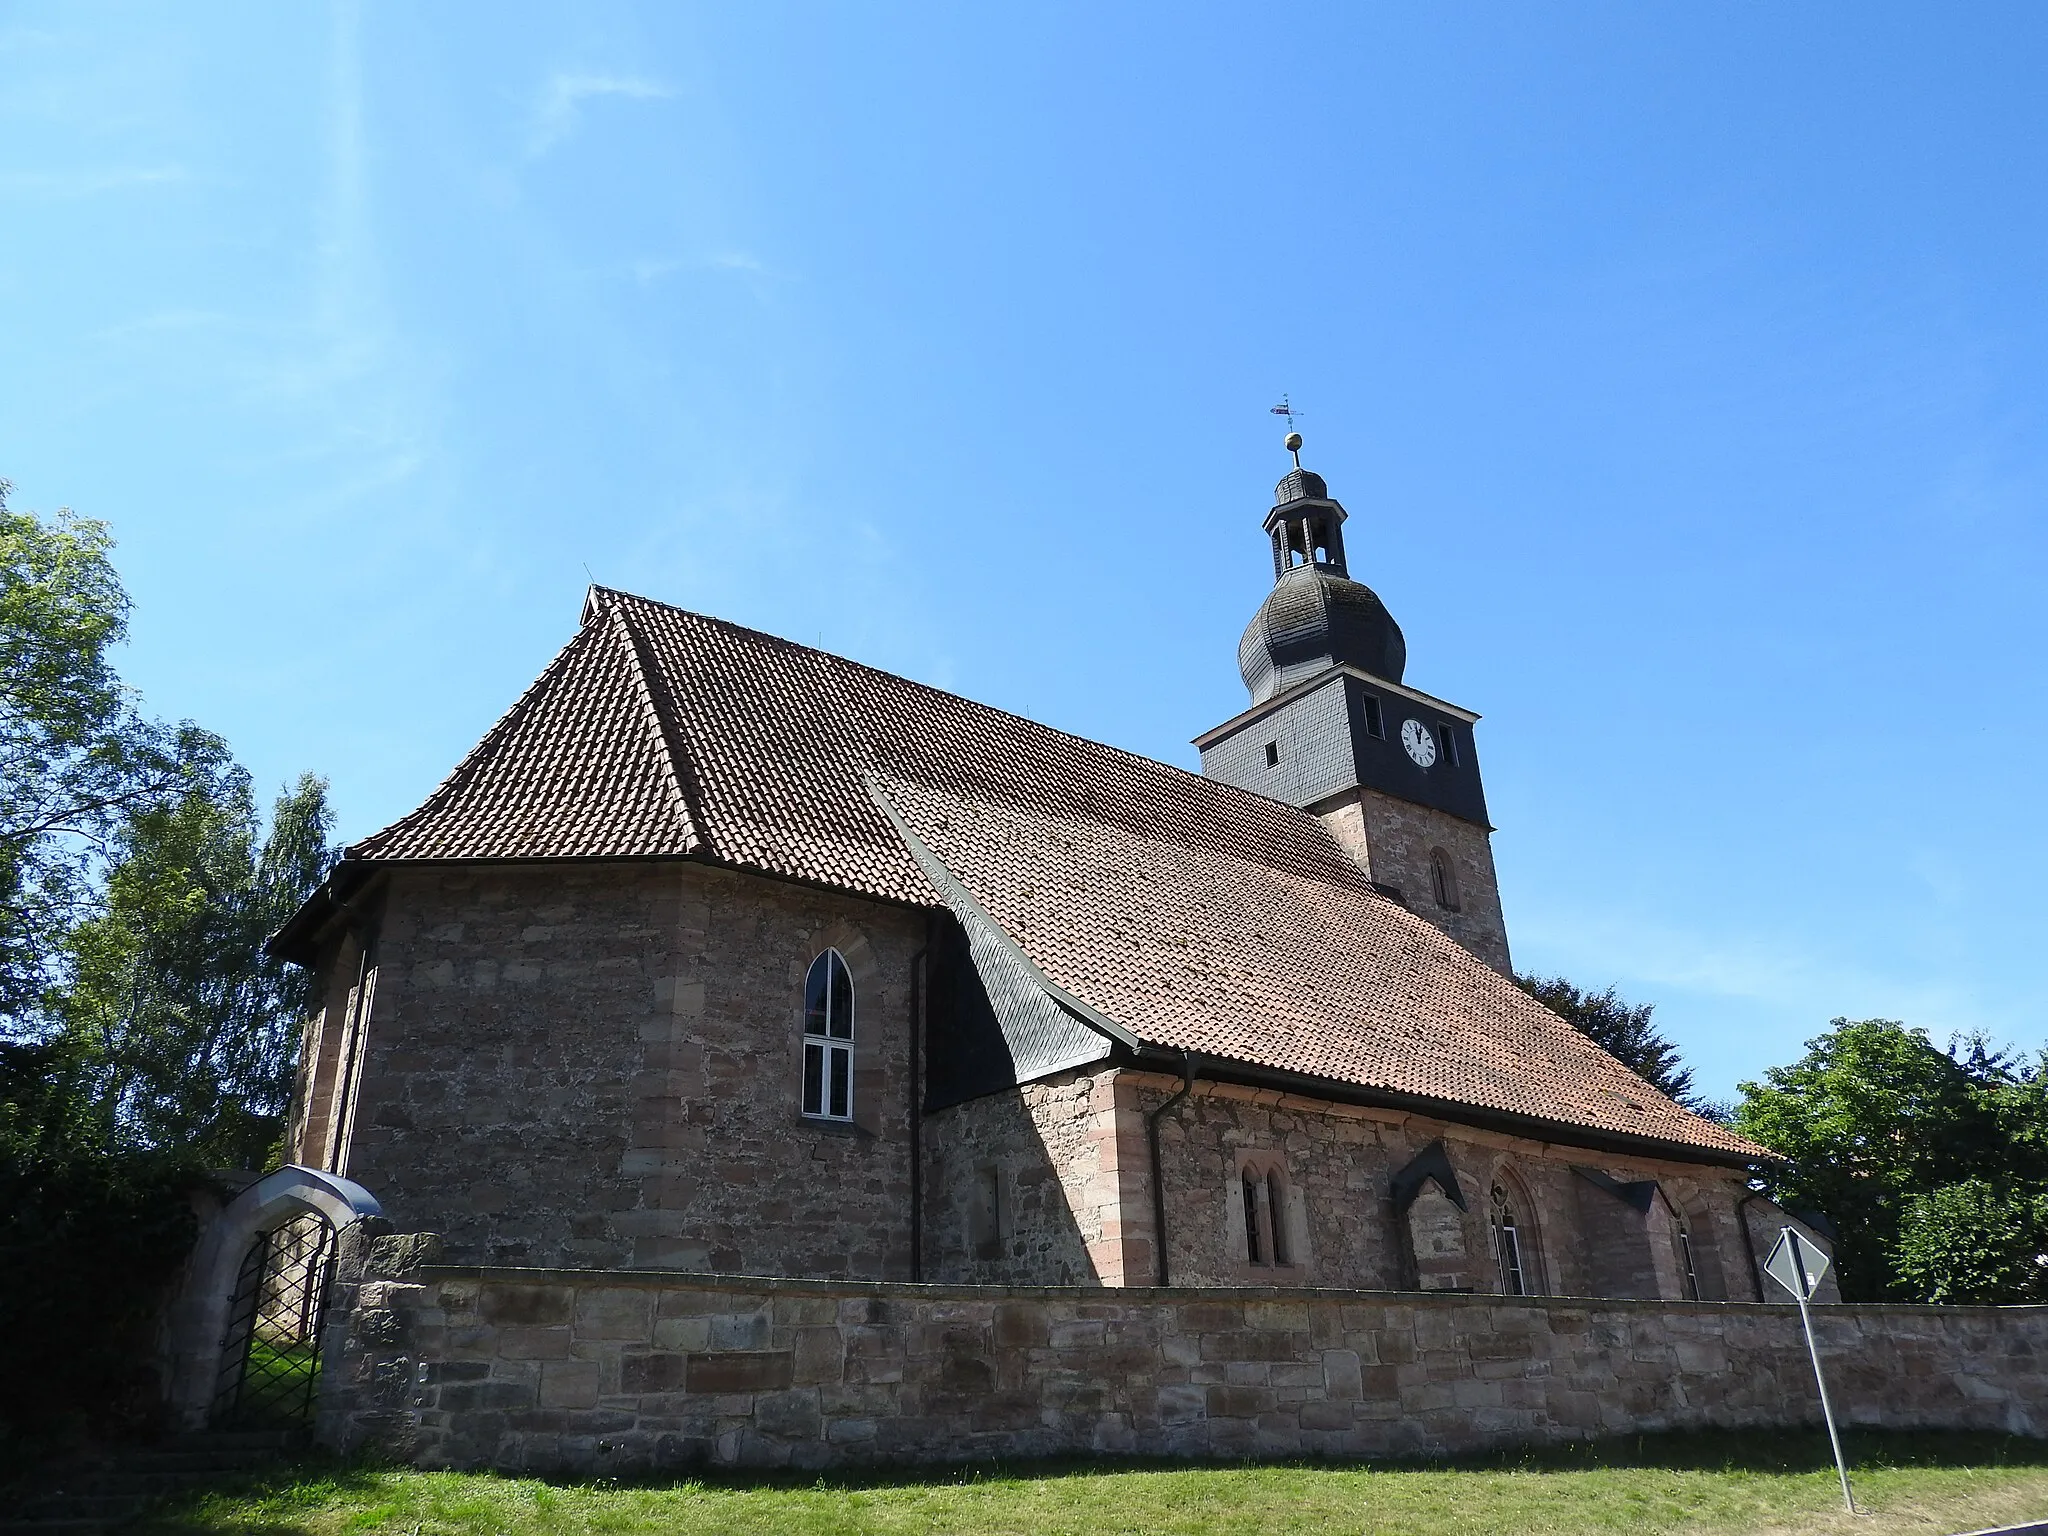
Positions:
(1187, 1086)
(1756, 1269)
(920, 985)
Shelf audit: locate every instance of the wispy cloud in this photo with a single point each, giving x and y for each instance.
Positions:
(561, 103)
(89, 182)
(649, 269)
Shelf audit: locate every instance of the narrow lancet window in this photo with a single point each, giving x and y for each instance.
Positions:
(1254, 1251)
(1276, 1216)
(1443, 879)
(1507, 1244)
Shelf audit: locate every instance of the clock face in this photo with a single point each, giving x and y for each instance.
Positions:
(1420, 744)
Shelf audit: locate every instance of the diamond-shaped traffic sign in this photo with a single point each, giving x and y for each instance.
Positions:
(1796, 1263)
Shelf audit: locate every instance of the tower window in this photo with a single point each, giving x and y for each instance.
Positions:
(1254, 1250)
(1443, 879)
(1272, 754)
(828, 1039)
(1447, 737)
(1375, 722)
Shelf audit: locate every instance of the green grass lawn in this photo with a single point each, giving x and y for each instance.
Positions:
(1694, 1483)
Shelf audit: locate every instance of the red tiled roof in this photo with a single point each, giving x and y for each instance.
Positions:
(1195, 914)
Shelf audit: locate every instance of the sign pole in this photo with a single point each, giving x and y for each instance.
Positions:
(1827, 1411)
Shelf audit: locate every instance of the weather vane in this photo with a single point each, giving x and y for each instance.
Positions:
(1293, 442)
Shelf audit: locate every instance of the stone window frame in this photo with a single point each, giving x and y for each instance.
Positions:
(1529, 1246)
(831, 1045)
(1443, 880)
(1701, 1270)
(1260, 1179)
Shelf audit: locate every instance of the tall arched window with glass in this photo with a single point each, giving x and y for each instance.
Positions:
(1507, 1244)
(828, 1039)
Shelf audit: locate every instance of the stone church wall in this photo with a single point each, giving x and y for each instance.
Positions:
(605, 1373)
(1016, 1191)
(1339, 1162)
(598, 1064)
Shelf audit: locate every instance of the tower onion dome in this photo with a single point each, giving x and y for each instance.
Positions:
(1316, 616)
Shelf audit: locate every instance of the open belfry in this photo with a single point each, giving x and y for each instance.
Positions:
(727, 955)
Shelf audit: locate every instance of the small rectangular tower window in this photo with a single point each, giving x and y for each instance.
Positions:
(1448, 735)
(1375, 722)
(1272, 754)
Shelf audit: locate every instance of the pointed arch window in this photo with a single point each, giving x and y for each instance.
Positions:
(828, 1039)
(1254, 1249)
(1269, 1241)
(1443, 879)
(1688, 1268)
(1507, 1243)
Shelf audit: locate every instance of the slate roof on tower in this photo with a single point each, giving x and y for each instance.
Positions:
(1194, 915)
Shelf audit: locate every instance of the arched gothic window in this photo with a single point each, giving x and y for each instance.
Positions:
(1443, 879)
(828, 1039)
(1262, 1184)
(1254, 1249)
(1276, 1215)
(1507, 1244)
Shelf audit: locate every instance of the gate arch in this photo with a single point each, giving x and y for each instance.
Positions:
(237, 1283)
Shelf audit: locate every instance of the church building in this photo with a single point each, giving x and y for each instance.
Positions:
(723, 954)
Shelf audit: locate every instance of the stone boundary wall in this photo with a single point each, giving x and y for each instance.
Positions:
(614, 1371)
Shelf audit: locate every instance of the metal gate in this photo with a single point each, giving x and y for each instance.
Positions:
(270, 1356)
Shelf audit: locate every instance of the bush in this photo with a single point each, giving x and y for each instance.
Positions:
(91, 1238)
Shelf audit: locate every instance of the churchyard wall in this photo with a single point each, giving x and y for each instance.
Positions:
(629, 1371)
(599, 1064)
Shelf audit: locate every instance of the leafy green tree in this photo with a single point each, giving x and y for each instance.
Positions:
(193, 1026)
(1875, 1117)
(1623, 1030)
(75, 754)
(1975, 1241)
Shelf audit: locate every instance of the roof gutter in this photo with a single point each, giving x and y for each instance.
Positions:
(298, 940)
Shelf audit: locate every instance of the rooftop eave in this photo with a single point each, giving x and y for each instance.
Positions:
(1322, 679)
(1532, 1127)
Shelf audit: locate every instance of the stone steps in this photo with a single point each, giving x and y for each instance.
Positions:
(88, 1497)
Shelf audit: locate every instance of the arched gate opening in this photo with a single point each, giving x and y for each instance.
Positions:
(270, 1354)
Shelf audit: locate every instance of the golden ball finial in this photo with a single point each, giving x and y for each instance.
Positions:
(1292, 442)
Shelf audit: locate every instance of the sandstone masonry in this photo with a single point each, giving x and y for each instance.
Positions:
(573, 1370)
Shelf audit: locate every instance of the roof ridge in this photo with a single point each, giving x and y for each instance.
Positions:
(478, 755)
(667, 731)
(1224, 790)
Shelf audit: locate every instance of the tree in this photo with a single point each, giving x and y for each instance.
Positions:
(193, 1026)
(75, 754)
(1875, 1121)
(1620, 1029)
(1975, 1241)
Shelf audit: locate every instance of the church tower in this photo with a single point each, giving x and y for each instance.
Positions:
(1332, 727)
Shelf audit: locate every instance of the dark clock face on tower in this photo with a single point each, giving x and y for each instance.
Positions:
(1420, 744)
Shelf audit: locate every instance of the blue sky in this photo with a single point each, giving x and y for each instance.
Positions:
(1681, 368)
